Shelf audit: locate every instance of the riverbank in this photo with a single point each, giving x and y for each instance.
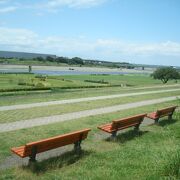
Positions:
(70, 70)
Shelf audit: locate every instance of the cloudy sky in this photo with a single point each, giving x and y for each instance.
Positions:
(135, 31)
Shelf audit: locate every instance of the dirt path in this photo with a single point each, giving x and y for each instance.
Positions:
(5, 127)
(69, 101)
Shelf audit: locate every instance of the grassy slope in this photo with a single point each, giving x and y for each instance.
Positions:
(26, 97)
(24, 114)
(147, 156)
(112, 160)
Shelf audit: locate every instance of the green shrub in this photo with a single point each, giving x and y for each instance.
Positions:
(40, 85)
(21, 82)
(41, 77)
(25, 89)
(99, 81)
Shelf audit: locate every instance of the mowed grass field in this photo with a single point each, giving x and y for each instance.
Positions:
(151, 154)
(55, 83)
(23, 81)
(36, 112)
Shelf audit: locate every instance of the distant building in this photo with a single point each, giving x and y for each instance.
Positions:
(25, 55)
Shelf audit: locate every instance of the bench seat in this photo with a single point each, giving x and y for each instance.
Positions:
(168, 111)
(33, 148)
(19, 151)
(152, 115)
(120, 124)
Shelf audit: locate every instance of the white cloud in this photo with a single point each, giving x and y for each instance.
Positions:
(8, 6)
(73, 3)
(148, 49)
(3, 1)
(17, 38)
(26, 40)
(8, 9)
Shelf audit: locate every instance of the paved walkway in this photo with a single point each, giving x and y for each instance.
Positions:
(5, 127)
(42, 104)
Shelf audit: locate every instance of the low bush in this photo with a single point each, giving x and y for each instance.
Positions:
(16, 73)
(100, 74)
(40, 85)
(41, 77)
(25, 89)
(22, 82)
(94, 81)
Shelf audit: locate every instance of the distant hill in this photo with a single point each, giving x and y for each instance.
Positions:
(24, 55)
(48, 59)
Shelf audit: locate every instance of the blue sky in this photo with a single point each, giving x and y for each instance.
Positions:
(135, 31)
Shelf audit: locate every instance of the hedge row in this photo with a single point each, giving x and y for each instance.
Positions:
(25, 89)
(94, 81)
(15, 73)
(82, 87)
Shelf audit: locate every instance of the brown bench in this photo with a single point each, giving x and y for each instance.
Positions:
(116, 125)
(33, 148)
(161, 113)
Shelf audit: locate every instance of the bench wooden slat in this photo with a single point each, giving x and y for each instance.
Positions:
(124, 127)
(19, 151)
(127, 121)
(165, 111)
(152, 115)
(110, 130)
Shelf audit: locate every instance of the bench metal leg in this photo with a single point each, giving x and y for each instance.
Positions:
(170, 117)
(156, 121)
(32, 158)
(77, 147)
(113, 135)
(137, 128)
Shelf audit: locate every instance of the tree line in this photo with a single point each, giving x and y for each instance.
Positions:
(80, 61)
(74, 60)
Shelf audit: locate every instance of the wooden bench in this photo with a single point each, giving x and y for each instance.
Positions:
(33, 148)
(116, 125)
(161, 113)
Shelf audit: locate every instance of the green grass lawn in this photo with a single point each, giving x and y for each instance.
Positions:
(25, 81)
(32, 97)
(19, 81)
(151, 154)
(24, 114)
(131, 80)
(14, 81)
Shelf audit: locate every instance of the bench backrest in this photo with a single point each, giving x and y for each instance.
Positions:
(55, 142)
(127, 122)
(165, 111)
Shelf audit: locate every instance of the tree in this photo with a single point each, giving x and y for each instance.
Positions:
(39, 58)
(77, 60)
(50, 58)
(62, 60)
(165, 74)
